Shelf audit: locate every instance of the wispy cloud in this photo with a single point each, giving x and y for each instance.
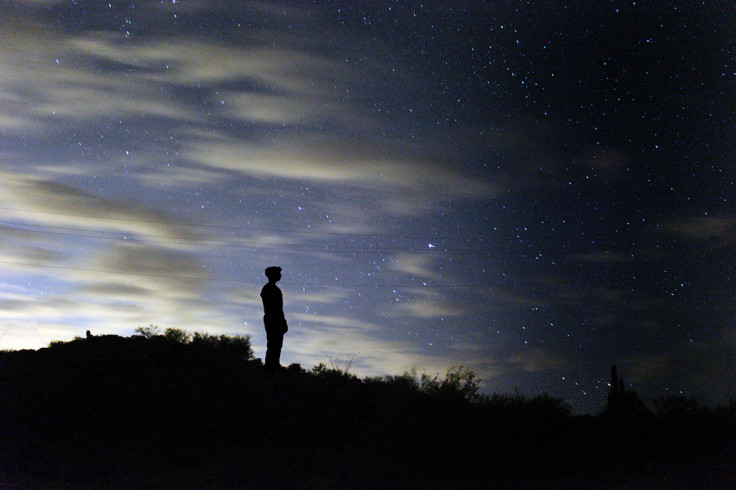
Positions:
(421, 304)
(720, 226)
(538, 360)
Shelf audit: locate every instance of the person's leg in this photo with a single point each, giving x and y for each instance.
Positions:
(273, 349)
(278, 342)
(269, 350)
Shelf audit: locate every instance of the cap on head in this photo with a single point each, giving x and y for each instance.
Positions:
(273, 272)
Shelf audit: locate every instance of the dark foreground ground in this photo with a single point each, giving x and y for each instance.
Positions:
(115, 412)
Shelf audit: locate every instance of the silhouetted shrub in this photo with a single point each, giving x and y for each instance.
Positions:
(321, 369)
(149, 331)
(234, 346)
(237, 345)
(459, 382)
(337, 368)
(541, 405)
(296, 368)
(549, 405)
(677, 407)
(334, 371)
(342, 366)
(205, 339)
(177, 335)
(406, 382)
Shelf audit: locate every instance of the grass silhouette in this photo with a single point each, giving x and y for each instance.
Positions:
(174, 410)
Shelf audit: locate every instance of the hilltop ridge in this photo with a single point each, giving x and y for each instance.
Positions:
(199, 411)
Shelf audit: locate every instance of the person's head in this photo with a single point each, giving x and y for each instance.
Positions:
(273, 273)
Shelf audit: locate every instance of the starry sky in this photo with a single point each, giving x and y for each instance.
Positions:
(534, 190)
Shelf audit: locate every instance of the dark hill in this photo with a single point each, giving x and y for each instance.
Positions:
(176, 412)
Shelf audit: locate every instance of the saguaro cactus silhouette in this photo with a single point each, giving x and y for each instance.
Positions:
(617, 393)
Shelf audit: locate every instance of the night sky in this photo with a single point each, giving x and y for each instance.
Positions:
(534, 190)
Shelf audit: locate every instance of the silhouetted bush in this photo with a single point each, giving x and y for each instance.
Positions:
(232, 346)
(678, 407)
(149, 331)
(459, 382)
(205, 339)
(335, 371)
(239, 345)
(406, 382)
(176, 335)
(549, 405)
(296, 368)
(541, 405)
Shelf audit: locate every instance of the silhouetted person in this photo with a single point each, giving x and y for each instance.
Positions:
(273, 318)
